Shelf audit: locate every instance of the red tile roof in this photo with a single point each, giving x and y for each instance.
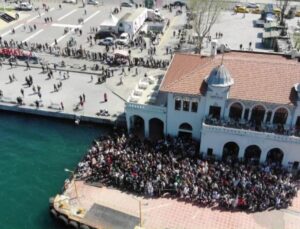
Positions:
(257, 77)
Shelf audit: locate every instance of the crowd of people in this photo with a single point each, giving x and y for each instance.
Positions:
(173, 167)
(78, 52)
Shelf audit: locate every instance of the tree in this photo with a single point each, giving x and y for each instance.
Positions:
(206, 13)
(282, 5)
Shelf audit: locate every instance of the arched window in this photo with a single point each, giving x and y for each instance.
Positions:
(280, 116)
(252, 154)
(235, 111)
(275, 155)
(185, 130)
(156, 129)
(185, 126)
(258, 114)
(137, 125)
(230, 151)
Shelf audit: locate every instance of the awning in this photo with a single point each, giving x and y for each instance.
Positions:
(111, 21)
(122, 53)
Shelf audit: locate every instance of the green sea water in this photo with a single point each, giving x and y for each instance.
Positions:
(33, 154)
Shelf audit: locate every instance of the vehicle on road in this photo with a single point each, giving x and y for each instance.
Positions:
(241, 9)
(256, 11)
(252, 5)
(123, 39)
(69, 1)
(24, 6)
(92, 2)
(178, 3)
(126, 4)
(104, 34)
(107, 41)
(277, 11)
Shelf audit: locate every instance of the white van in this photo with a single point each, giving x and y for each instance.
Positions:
(123, 39)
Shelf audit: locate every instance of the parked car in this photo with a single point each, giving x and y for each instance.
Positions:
(123, 39)
(277, 11)
(69, 1)
(24, 6)
(92, 2)
(178, 3)
(252, 5)
(297, 14)
(126, 4)
(107, 41)
(256, 11)
(241, 9)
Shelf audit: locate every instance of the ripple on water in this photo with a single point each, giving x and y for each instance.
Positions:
(33, 154)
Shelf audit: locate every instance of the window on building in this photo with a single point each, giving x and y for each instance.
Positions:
(178, 104)
(235, 111)
(295, 165)
(186, 105)
(215, 112)
(246, 114)
(297, 126)
(280, 116)
(194, 106)
(269, 115)
(209, 152)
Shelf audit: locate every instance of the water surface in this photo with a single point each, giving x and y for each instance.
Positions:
(33, 154)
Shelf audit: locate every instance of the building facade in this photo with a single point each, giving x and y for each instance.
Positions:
(241, 105)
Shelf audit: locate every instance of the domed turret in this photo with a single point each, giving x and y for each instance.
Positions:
(297, 87)
(219, 77)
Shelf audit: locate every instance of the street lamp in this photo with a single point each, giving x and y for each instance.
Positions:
(73, 177)
(140, 209)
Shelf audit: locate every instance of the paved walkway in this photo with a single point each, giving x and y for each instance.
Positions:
(163, 213)
(78, 84)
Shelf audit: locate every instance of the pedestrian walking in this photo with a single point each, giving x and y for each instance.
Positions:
(27, 65)
(105, 97)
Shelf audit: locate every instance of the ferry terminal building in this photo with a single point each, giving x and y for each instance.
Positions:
(242, 105)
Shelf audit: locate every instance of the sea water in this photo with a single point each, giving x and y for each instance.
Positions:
(33, 154)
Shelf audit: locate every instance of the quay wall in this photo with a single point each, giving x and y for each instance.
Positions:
(60, 115)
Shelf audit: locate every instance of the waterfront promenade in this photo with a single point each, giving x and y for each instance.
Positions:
(160, 213)
(77, 84)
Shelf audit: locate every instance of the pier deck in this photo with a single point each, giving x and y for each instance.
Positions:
(78, 84)
(158, 213)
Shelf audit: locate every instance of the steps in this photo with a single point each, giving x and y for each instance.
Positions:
(6, 17)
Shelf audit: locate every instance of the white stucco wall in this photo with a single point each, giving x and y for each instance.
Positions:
(176, 118)
(147, 112)
(216, 137)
